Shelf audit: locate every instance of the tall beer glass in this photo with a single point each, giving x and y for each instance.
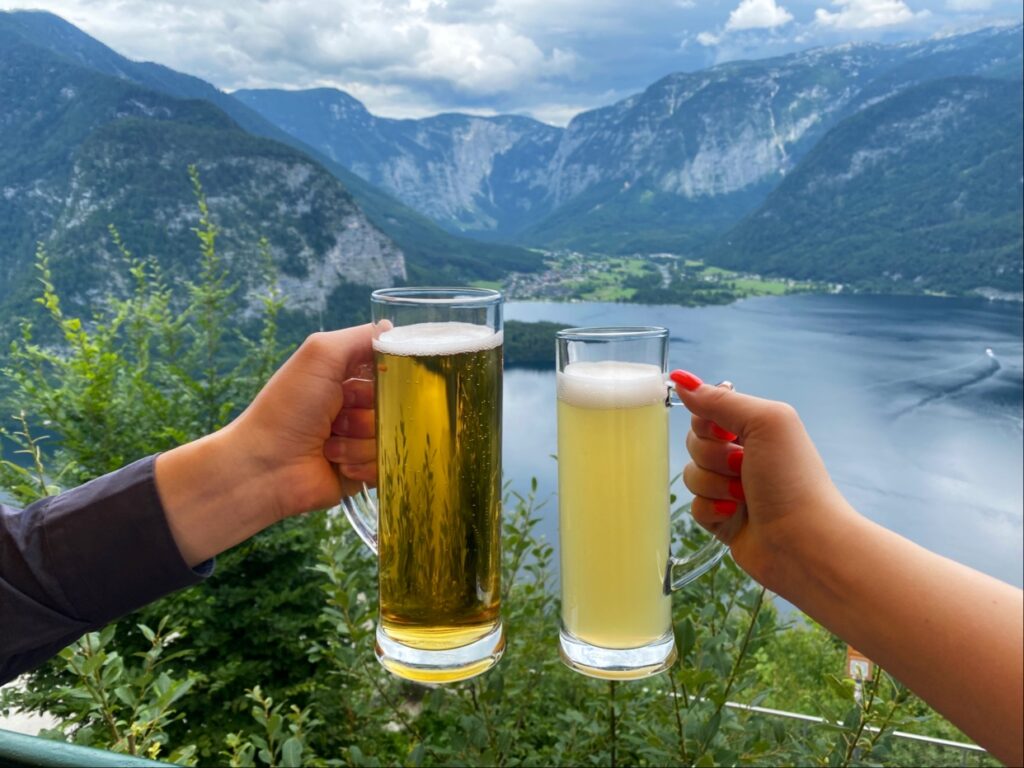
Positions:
(437, 523)
(613, 503)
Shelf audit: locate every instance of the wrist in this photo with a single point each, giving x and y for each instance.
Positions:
(275, 488)
(803, 560)
(214, 495)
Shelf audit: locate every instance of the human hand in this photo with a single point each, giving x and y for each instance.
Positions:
(306, 440)
(311, 427)
(759, 482)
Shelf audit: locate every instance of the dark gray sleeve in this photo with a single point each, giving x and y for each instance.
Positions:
(72, 563)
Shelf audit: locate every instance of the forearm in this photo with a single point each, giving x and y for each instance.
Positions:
(213, 495)
(952, 635)
(73, 562)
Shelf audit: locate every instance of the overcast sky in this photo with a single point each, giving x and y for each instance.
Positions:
(546, 58)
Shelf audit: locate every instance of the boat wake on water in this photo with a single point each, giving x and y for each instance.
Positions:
(973, 373)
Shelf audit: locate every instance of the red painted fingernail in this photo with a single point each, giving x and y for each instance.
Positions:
(685, 379)
(736, 490)
(735, 461)
(721, 434)
(725, 507)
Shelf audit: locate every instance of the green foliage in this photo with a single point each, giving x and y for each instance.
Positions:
(274, 745)
(689, 286)
(154, 360)
(149, 370)
(119, 702)
(25, 483)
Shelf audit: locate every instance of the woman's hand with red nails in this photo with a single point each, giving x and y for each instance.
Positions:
(755, 473)
(761, 486)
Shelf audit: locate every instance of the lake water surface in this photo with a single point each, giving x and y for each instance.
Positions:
(920, 426)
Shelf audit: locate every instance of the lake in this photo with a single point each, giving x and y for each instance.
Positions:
(914, 402)
(921, 428)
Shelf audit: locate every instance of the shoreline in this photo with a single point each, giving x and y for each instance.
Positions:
(663, 279)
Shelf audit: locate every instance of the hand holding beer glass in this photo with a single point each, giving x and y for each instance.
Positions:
(437, 521)
(613, 488)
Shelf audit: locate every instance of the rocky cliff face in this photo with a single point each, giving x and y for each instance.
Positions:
(80, 150)
(468, 173)
(432, 254)
(658, 159)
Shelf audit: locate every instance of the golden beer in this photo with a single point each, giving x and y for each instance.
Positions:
(613, 487)
(438, 401)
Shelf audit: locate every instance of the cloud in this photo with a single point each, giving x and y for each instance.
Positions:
(560, 114)
(867, 14)
(758, 14)
(968, 5)
(549, 58)
(395, 41)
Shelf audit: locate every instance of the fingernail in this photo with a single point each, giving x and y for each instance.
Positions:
(736, 490)
(343, 424)
(685, 379)
(721, 434)
(735, 461)
(725, 507)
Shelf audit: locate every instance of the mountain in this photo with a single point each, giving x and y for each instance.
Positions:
(433, 255)
(921, 189)
(672, 168)
(80, 150)
(463, 171)
(666, 169)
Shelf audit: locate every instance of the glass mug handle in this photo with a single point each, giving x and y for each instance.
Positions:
(682, 570)
(361, 511)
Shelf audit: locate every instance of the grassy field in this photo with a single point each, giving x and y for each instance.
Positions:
(752, 285)
(606, 277)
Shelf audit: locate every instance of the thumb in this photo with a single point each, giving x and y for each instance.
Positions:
(336, 355)
(357, 342)
(730, 410)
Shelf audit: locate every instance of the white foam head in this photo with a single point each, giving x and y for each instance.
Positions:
(611, 384)
(426, 339)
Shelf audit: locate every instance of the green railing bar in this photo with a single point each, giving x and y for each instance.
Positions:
(20, 751)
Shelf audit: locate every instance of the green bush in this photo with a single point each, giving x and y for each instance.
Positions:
(270, 662)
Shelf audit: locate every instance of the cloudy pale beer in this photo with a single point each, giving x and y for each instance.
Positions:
(613, 471)
(438, 400)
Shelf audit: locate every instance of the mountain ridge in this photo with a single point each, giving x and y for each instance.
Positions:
(679, 167)
(908, 193)
(668, 168)
(433, 253)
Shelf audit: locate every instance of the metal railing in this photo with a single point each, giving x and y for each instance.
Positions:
(965, 746)
(20, 751)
